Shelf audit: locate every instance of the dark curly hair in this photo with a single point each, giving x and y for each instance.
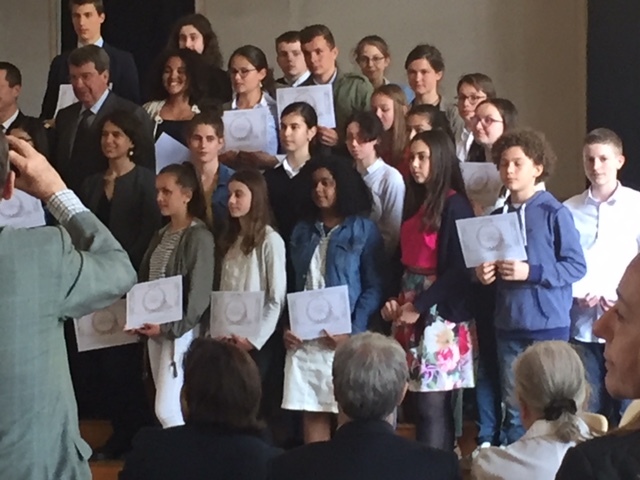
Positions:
(444, 176)
(352, 194)
(195, 71)
(211, 52)
(143, 148)
(533, 144)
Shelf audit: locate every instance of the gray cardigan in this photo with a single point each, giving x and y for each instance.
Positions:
(193, 259)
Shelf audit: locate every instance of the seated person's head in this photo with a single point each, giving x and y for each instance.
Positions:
(620, 327)
(370, 376)
(550, 384)
(89, 73)
(221, 386)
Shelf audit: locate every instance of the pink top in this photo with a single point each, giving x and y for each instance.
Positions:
(419, 247)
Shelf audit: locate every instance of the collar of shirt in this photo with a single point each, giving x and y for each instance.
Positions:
(331, 80)
(264, 101)
(96, 106)
(300, 80)
(10, 120)
(97, 43)
(590, 200)
(289, 170)
(376, 165)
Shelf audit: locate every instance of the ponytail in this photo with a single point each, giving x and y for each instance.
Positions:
(187, 177)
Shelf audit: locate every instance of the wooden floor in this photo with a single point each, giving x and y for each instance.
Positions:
(96, 433)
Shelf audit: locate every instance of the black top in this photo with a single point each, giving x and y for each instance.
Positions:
(286, 195)
(366, 449)
(612, 457)
(103, 211)
(174, 128)
(218, 86)
(197, 452)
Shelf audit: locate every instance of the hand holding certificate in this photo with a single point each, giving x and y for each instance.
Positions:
(314, 312)
(155, 302)
(491, 238)
(236, 313)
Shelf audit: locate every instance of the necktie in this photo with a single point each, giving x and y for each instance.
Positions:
(84, 127)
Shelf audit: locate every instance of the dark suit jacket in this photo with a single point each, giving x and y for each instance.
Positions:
(122, 73)
(197, 452)
(612, 457)
(134, 217)
(90, 159)
(369, 450)
(35, 128)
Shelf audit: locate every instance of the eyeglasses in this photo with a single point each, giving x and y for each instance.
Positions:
(473, 99)
(243, 72)
(486, 121)
(369, 60)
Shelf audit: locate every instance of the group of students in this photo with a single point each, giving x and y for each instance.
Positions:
(372, 204)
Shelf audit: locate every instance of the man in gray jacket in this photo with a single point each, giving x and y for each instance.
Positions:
(48, 274)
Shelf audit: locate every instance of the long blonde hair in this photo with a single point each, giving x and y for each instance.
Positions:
(550, 379)
(398, 129)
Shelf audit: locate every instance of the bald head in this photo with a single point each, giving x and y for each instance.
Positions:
(620, 327)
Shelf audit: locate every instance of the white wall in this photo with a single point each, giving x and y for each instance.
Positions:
(29, 39)
(534, 50)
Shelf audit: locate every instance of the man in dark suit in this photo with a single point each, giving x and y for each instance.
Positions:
(87, 269)
(87, 17)
(10, 115)
(370, 376)
(77, 152)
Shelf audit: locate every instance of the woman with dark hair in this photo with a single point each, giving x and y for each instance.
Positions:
(124, 198)
(492, 118)
(254, 87)
(195, 33)
(220, 400)
(254, 259)
(184, 247)
(336, 244)
(177, 87)
(437, 341)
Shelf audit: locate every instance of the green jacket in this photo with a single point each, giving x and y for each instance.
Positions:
(193, 259)
(48, 274)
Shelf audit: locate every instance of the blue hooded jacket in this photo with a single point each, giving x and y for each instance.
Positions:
(538, 308)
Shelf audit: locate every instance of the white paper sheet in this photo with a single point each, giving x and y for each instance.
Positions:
(237, 313)
(66, 97)
(159, 301)
(320, 97)
(482, 181)
(313, 311)
(103, 329)
(491, 238)
(246, 130)
(21, 211)
(169, 151)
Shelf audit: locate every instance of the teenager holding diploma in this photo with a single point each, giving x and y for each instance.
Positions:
(335, 245)
(184, 247)
(438, 346)
(254, 259)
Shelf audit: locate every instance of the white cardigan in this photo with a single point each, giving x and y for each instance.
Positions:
(263, 270)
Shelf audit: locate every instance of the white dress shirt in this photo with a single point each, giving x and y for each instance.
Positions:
(536, 456)
(610, 239)
(300, 80)
(97, 43)
(464, 140)
(9, 121)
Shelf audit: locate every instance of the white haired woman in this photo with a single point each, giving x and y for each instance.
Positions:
(551, 388)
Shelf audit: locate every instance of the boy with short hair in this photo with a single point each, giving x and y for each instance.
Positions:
(291, 60)
(606, 216)
(533, 297)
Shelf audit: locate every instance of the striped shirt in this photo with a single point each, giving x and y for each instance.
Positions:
(162, 253)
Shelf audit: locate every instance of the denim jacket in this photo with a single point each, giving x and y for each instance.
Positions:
(355, 257)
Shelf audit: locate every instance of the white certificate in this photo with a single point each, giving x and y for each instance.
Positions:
(159, 301)
(313, 311)
(482, 181)
(103, 329)
(491, 238)
(246, 130)
(320, 97)
(169, 151)
(236, 313)
(21, 211)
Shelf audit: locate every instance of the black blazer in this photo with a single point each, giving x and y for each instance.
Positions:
(369, 450)
(122, 73)
(612, 457)
(197, 452)
(134, 216)
(89, 158)
(35, 128)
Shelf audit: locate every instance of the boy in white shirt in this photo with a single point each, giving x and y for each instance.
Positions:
(609, 225)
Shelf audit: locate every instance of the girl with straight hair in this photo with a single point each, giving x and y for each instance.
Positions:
(389, 103)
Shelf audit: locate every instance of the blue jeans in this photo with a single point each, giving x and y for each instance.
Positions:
(592, 355)
(508, 351)
(488, 401)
